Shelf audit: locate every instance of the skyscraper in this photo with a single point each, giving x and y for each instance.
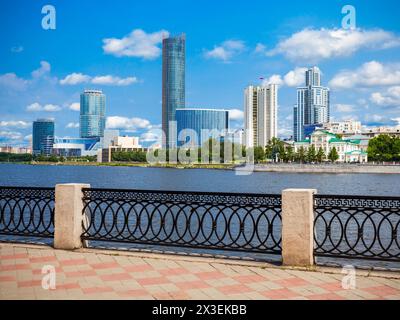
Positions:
(203, 123)
(42, 136)
(313, 105)
(260, 115)
(92, 116)
(173, 84)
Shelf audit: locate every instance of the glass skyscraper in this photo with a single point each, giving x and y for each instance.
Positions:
(92, 116)
(198, 120)
(42, 136)
(173, 84)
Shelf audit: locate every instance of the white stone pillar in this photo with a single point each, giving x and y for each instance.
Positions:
(298, 227)
(68, 216)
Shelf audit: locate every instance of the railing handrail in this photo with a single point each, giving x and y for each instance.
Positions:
(27, 188)
(335, 196)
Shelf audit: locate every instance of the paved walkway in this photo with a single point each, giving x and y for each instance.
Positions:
(95, 274)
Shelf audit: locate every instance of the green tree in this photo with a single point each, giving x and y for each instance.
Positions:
(321, 155)
(259, 154)
(333, 155)
(275, 149)
(384, 148)
(301, 155)
(311, 154)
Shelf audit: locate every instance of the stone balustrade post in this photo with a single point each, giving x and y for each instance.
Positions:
(298, 227)
(68, 216)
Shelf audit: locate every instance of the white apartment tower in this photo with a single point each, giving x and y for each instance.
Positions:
(260, 115)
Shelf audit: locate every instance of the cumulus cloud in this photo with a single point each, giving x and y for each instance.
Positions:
(128, 124)
(225, 51)
(344, 107)
(293, 78)
(12, 81)
(10, 135)
(44, 68)
(72, 125)
(15, 124)
(260, 48)
(78, 78)
(36, 107)
(137, 44)
(330, 43)
(370, 74)
(390, 97)
(150, 137)
(76, 106)
(236, 115)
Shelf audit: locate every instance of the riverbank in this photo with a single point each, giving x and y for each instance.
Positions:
(328, 168)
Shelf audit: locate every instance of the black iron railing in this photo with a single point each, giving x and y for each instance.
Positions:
(27, 212)
(364, 227)
(238, 222)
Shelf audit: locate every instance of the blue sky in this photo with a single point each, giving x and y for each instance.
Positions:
(115, 46)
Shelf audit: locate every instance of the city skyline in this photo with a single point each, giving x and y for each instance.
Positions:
(41, 78)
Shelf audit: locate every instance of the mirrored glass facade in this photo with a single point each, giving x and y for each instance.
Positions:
(92, 116)
(42, 136)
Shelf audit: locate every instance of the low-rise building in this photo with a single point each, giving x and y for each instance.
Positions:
(76, 147)
(340, 127)
(119, 143)
(348, 150)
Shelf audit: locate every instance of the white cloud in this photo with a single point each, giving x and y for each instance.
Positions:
(344, 107)
(44, 68)
(28, 137)
(226, 51)
(293, 78)
(128, 124)
(316, 44)
(236, 115)
(36, 107)
(370, 74)
(150, 137)
(16, 124)
(260, 48)
(77, 78)
(390, 97)
(12, 81)
(137, 44)
(10, 135)
(76, 106)
(72, 125)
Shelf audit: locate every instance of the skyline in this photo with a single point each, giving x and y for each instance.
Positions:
(44, 71)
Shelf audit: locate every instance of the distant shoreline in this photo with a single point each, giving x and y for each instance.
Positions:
(284, 168)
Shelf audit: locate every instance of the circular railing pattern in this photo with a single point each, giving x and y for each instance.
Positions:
(187, 219)
(357, 227)
(27, 212)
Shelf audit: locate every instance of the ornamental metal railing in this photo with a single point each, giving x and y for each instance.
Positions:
(27, 212)
(365, 227)
(224, 221)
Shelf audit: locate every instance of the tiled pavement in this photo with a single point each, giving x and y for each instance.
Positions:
(90, 274)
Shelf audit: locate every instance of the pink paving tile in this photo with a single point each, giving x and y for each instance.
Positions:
(105, 265)
(187, 285)
(332, 286)
(210, 275)
(116, 277)
(138, 268)
(43, 259)
(67, 286)
(133, 293)
(7, 278)
(29, 283)
(73, 262)
(82, 273)
(279, 294)
(325, 296)
(250, 278)
(152, 281)
(161, 296)
(173, 271)
(25, 266)
(382, 291)
(234, 289)
(97, 290)
(292, 282)
(14, 256)
(39, 271)
(179, 296)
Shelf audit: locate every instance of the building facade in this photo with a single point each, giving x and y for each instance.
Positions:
(260, 115)
(348, 150)
(173, 85)
(196, 126)
(92, 114)
(347, 126)
(76, 147)
(313, 104)
(42, 136)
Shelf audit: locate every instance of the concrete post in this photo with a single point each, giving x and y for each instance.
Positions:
(68, 216)
(298, 227)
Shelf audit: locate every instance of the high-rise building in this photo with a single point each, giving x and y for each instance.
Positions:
(92, 116)
(313, 105)
(173, 85)
(260, 115)
(42, 136)
(201, 125)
